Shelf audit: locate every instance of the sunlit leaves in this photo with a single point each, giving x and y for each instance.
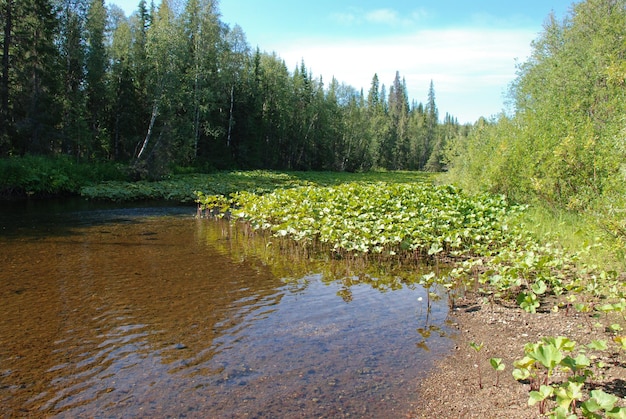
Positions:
(381, 218)
(478, 236)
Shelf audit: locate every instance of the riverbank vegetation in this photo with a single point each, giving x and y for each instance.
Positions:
(41, 176)
(563, 149)
(457, 245)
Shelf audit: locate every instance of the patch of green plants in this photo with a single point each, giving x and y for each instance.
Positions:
(479, 238)
(403, 219)
(467, 243)
(182, 187)
(574, 231)
(496, 364)
(558, 370)
(40, 176)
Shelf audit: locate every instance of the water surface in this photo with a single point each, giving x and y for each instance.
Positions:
(147, 312)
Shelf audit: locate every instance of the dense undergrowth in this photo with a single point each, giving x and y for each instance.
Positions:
(41, 176)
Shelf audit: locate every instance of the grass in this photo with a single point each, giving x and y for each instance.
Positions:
(182, 187)
(576, 232)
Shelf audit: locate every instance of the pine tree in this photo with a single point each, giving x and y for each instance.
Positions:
(126, 108)
(34, 83)
(6, 123)
(96, 73)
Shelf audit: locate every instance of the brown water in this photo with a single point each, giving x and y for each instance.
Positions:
(147, 312)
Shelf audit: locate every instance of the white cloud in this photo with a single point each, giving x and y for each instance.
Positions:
(384, 16)
(344, 18)
(387, 16)
(471, 68)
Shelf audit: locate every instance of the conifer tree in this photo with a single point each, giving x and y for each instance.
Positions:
(96, 65)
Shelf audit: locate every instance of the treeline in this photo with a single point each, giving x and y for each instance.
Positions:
(565, 145)
(178, 86)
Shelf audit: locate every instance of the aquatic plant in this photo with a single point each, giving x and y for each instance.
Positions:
(551, 355)
(498, 366)
(477, 347)
(478, 237)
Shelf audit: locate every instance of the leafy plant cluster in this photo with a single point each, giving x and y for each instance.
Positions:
(477, 236)
(183, 187)
(378, 218)
(575, 366)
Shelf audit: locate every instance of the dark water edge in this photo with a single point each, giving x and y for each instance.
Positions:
(144, 311)
(54, 215)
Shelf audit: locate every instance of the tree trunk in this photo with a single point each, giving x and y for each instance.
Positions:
(4, 88)
(196, 116)
(230, 117)
(155, 111)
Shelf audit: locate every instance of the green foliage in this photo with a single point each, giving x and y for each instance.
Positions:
(410, 219)
(479, 237)
(44, 176)
(187, 187)
(564, 145)
(550, 355)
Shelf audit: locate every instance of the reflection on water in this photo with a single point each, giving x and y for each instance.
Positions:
(118, 314)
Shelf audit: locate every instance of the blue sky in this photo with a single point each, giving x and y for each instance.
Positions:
(469, 48)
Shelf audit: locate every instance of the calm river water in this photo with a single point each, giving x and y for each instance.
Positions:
(148, 312)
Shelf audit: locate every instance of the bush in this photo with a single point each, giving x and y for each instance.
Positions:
(47, 176)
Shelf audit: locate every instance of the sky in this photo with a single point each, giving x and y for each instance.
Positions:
(468, 48)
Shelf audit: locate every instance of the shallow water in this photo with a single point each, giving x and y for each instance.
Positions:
(147, 312)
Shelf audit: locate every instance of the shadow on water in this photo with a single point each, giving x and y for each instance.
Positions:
(39, 218)
(147, 312)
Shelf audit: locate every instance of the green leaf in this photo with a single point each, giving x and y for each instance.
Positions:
(617, 413)
(606, 401)
(521, 374)
(561, 413)
(539, 287)
(528, 301)
(598, 345)
(562, 343)
(538, 396)
(496, 364)
(547, 355)
(568, 393)
(475, 346)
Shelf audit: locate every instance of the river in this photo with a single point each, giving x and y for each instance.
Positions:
(145, 311)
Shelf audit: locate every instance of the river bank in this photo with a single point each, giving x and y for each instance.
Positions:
(452, 389)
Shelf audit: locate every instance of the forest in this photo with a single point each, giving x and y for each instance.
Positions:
(174, 85)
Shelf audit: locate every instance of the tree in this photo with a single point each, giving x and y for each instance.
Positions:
(202, 33)
(432, 120)
(6, 13)
(161, 54)
(126, 111)
(75, 135)
(564, 145)
(33, 73)
(96, 67)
